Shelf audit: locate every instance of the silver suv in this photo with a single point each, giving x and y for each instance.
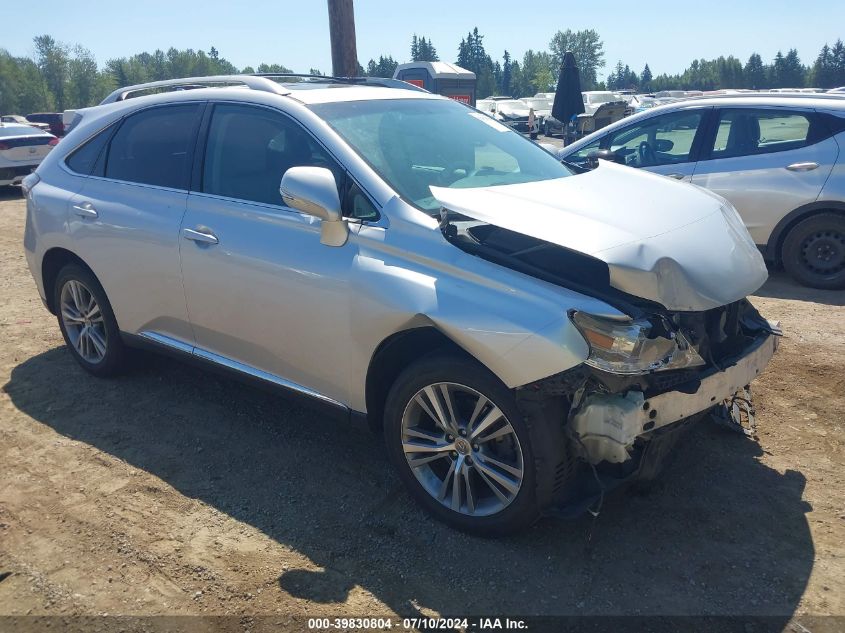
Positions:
(526, 337)
(780, 159)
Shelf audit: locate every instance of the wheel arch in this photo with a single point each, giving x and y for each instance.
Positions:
(392, 356)
(774, 246)
(53, 261)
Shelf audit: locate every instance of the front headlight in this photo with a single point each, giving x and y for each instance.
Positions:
(629, 347)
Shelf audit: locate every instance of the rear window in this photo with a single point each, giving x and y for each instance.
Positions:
(84, 158)
(748, 131)
(154, 146)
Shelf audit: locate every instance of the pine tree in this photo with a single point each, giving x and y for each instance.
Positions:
(645, 78)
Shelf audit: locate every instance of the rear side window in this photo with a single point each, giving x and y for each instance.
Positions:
(84, 158)
(748, 131)
(154, 147)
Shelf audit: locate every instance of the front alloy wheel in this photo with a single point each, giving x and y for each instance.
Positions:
(465, 450)
(462, 449)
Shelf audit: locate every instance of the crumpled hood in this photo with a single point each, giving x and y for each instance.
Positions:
(663, 240)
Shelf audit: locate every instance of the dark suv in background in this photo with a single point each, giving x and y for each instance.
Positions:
(54, 119)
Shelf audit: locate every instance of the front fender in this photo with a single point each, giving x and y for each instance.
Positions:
(516, 325)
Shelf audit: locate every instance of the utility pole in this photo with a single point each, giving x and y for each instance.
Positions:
(342, 33)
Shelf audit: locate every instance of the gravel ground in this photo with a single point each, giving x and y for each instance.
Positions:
(173, 491)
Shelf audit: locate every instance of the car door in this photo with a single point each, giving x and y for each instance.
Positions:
(264, 295)
(125, 220)
(664, 144)
(767, 161)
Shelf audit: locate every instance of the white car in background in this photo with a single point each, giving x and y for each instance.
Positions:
(777, 158)
(511, 112)
(22, 148)
(594, 99)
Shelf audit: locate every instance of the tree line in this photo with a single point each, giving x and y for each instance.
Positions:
(61, 76)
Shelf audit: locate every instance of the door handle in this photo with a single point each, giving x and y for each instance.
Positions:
(676, 176)
(85, 210)
(802, 166)
(205, 237)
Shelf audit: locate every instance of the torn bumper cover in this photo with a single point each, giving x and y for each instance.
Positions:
(608, 424)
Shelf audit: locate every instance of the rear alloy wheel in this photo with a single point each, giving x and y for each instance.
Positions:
(462, 447)
(814, 252)
(87, 322)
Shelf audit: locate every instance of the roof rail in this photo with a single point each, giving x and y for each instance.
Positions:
(254, 82)
(385, 82)
(258, 81)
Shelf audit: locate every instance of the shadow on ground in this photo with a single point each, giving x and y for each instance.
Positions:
(720, 533)
(782, 286)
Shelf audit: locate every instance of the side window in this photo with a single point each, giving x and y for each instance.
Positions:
(747, 131)
(357, 205)
(660, 140)
(580, 157)
(154, 146)
(84, 158)
(249, 149)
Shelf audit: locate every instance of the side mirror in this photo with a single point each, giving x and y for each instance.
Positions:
(603, 154)
(313, 191)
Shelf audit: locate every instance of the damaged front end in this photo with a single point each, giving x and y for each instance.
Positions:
(646, 379)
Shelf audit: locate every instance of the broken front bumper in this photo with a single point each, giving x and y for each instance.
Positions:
(608, 424)
(672, 406)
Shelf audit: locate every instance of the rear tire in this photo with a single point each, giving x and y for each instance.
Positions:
(814, 252)
(505, 478)
(87, 322)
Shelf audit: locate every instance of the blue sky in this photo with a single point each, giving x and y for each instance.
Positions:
(666, 35)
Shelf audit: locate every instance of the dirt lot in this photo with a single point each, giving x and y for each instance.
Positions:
(172, 491)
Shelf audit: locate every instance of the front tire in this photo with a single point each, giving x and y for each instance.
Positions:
(462, 447)
(814, 252)
(87, 322)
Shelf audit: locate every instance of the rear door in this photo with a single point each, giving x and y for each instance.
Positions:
(125, 221)
(767, 161)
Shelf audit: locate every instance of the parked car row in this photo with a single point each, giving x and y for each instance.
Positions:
(48, 121)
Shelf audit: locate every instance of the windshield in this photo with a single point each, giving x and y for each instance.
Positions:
(512, 106)
(418, 143)
(21, 130)
(538, 104)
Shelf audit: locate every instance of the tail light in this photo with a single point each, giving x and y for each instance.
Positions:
(3, 146)
(53, 142)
